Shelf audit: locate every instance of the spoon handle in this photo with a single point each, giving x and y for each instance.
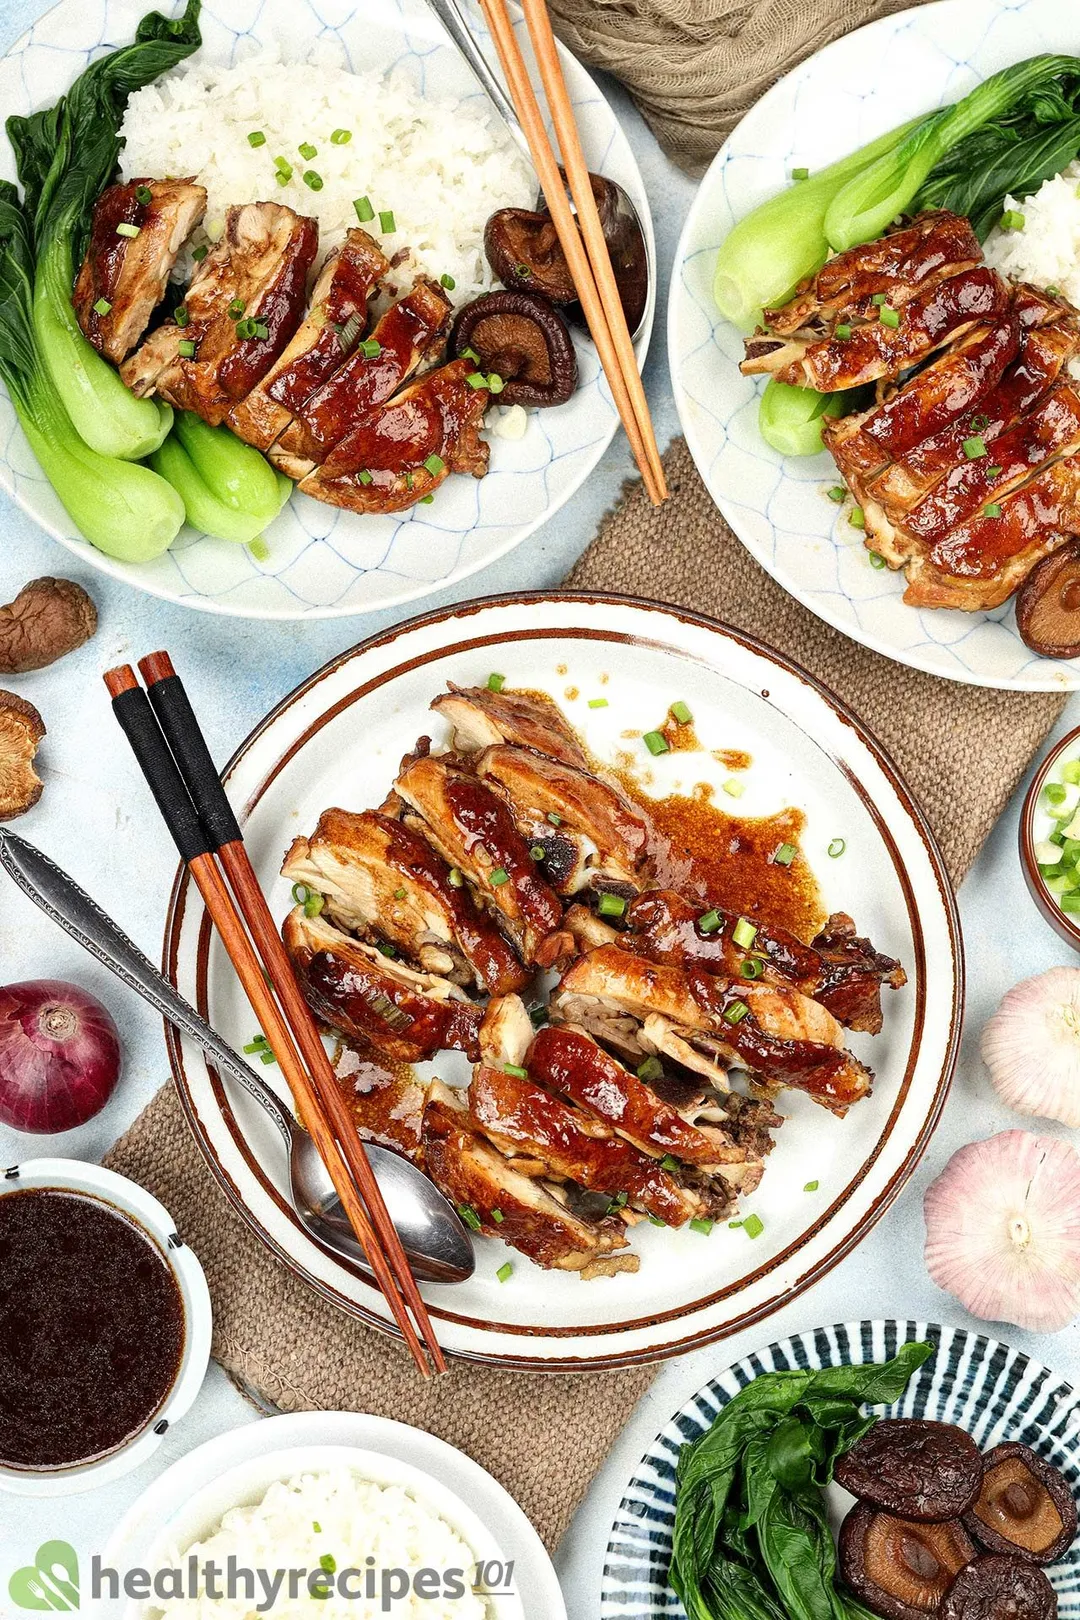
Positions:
(456, 24)
(61, 898)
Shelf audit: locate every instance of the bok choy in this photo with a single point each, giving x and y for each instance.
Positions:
(228, 489)
(65, 156)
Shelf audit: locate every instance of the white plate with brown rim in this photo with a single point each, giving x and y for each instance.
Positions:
(338, 739)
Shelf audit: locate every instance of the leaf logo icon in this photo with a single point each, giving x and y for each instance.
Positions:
(51, 1581)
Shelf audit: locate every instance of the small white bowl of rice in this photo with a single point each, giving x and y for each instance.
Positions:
(325, 1533)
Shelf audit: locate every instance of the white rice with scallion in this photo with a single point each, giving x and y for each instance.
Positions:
(432, 169)
(332, 1522)
(1040, 242)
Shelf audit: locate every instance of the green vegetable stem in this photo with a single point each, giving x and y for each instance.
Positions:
(752, 1538)
(223, 492)
(790, 418)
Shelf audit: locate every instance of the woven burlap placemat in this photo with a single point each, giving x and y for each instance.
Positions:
(695, 66)
(963, 749)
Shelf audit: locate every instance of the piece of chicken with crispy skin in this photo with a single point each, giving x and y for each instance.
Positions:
(481, 717)
(257, 272)
(474, 830)
(521, 1210)
(123, 277)
(373, 1000)
(379, 876)
(324, 340)
(780, 1036)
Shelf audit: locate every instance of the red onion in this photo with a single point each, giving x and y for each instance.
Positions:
(59, 1056)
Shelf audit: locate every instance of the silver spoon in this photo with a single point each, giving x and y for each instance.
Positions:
(437, 1244)
(629, 238)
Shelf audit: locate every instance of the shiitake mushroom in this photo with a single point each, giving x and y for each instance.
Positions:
(1025, 1507)
(914, 1469)
(525, 340)
(1048, 604)
(901, 1568)
(995, 1588)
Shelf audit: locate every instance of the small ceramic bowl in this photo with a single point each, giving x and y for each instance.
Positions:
(91, 1180)
(1035, 825)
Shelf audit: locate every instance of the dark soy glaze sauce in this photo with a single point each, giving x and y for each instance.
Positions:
(91, 1328)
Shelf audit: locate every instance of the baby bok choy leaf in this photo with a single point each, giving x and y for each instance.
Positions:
(882, 190)
(123, 509)
(228, 489)
(790, 418)
(65, 156)
(1010, 158)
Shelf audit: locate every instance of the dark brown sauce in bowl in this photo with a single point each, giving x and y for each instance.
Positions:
(92, 1328)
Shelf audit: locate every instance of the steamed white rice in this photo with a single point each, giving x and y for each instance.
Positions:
(441, 166)
(343, 1518)
(1046, 251)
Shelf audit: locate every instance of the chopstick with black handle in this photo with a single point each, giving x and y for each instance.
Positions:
(183, 733)
(139, 722)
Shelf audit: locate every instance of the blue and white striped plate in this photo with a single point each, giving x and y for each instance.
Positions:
(995, 1393)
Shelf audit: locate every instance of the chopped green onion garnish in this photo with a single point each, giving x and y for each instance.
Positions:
(611, 905)
(974, 448)
(516, 1069)
(313, 179)
(387, 223)
(364, 210)
(307, 151)
(620, 1201)
(341, 137)
(751, 968)
(800, 174)
(709, 922)
(857, 518)
(838, 493)
(469, 354)
(735, 1012)
(246, 328)
(979, 423)
(812, 1186)
(371, 348)
(651, 1069)
(654, 1220)
(455, 878)
(505, 1272)
(993, 472)
(598, 703)
(316, 1526)
(875, 559)
(734, 788)
(495, 683)
(837, 847)
(992, 511)
(843, 332)
(383, 945)
(102, 307)
(681, 713)
(180, 315)
(434, 465)
(143, 195)
(268, 1057)
(554, 817)
(498, 1217)
(199, 253)
(670, 1163)
(258, 1043)
(399, 894)
(124, 229)
(313, 905)
(236, 308)
(476, 379)
(261, 329)
(469, 1216)
(702, 1226)
(256, 138)
(889, 317)
(186, 349)
(284, 170)
(785, 855)
(447, 281)
(538, 852)
(499, 876)
(522, 271)
(425, 500)
(300, 893)
(744, 933)
(538, 1015)
(879, 299)
(495, 383)
(1012, 220)
(655, 742)
(753, 1226)
(364, 476)
(329, 1563)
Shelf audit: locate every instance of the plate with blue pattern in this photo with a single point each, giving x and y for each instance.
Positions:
(848, 94)
(997, 1394)
(322, 562)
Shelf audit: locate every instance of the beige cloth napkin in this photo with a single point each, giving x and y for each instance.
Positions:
(695, 66)
(963, 750)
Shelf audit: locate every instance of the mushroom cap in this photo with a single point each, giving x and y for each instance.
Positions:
(994, 1588)
(48, 619)
(899, 1568)
(1048, 604)
(914, 1468)
(524, 339)
(1031, 1046)
(1003, 1230)
(1025, 1507)
(21, 730)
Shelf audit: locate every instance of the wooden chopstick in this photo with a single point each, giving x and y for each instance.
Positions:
(180, 815)
(528, 110)
(577, 173)
(184, 736)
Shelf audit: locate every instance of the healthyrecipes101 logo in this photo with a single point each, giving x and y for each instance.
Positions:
(51, 1581)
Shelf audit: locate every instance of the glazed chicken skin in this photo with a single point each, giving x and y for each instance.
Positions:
(379, 876)
(375, 1001)
(319, 347)
(257, 271)
(129, 274)
(481, 718)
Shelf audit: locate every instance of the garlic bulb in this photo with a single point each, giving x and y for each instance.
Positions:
(1032, 1046)
(1003, 1230)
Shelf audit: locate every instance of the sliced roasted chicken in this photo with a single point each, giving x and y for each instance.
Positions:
(374, 1000)
(553, 800)
(136, 233)
(380, 876)
(257, 272)
(520, 1209)
(481, 717)
(412, 332)
(780, 1036)
(323, 342)
(839, 969)
(399, 453)
(474, 830)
